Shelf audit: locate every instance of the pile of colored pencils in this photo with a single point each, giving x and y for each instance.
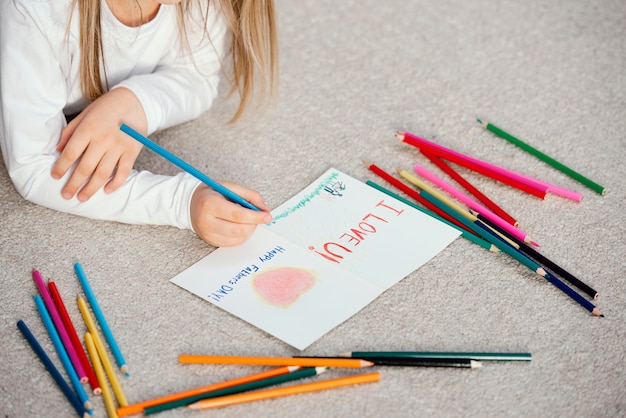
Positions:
(244, 389)
(70, 350)
(480, 219)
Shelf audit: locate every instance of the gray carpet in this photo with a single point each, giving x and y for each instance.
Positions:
(352, 74)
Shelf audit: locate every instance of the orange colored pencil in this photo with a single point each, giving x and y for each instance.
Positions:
(275, 361)
(140, 406)
(285, 391)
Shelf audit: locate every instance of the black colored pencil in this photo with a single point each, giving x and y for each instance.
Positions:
(545, 261)
(417, 362)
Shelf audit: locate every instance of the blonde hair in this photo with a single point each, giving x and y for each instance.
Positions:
(253, 51)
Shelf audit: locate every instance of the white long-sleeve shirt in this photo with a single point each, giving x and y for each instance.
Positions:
(39, 85)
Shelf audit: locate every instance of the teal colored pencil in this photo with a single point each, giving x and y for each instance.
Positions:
(476, 240)
(186, 167)
(104, 326)
(543, 157)
(439, 355)
(298, 374)
(65, 359)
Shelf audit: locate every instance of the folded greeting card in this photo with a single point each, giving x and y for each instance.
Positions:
(331, 250)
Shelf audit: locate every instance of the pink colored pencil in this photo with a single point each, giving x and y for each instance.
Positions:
(58, 323)
(557, 190)
(472, 204)
(443, 166)
(475, 163)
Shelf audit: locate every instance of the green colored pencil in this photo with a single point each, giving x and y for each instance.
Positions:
(439, 355)
(299, 374)
(476, 240)
(543, 157)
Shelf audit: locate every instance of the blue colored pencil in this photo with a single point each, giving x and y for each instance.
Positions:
(117, 353)
(65, 359)
(54, 372)
(186, 167)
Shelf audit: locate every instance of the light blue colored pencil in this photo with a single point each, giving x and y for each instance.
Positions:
(186, 167)
(65, 359)
(104, 326)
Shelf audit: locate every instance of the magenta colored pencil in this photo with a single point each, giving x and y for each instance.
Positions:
(447, 153)
(472, 204)
(58, 323)
(557, 190)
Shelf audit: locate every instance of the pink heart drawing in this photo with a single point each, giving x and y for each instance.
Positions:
(282, 286)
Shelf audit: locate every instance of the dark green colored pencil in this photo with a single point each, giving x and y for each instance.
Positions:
(543, 157)
(471, 237)
(299, 374)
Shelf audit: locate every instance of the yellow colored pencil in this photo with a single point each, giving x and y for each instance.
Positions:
(104, 357)
(274, 361)
(455, 207)
(285, 391)
(107, 397)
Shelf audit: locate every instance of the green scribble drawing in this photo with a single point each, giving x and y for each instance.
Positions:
(306, 199)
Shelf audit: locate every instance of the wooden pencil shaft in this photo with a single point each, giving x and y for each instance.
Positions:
(272, 361)
(104, 326)
(299, 374)
(544, 157)
(51, 368)
(472, 204)
(288, 390)
(531, 264)
(442, 202)
(107, 397)
(140, 406)
(483, 356)
(547, 263)
(104, 357)
(425, 187)
(62, 353)
(464, 233)
(187, 167)
(415, 195)
(470, 188)
(71, 330)
(482, 167)
(59, 326)
(416, 362)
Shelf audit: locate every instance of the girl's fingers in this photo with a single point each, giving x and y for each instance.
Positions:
(123, 169)
(99, 176)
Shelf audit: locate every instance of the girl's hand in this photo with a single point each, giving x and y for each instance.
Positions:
(222, 223)
(93, 140)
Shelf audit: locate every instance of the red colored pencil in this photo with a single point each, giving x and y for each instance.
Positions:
(71, 332)
(490, 204)
(479, 166)
(415, 195)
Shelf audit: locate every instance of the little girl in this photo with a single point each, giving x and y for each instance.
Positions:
(150, 64)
